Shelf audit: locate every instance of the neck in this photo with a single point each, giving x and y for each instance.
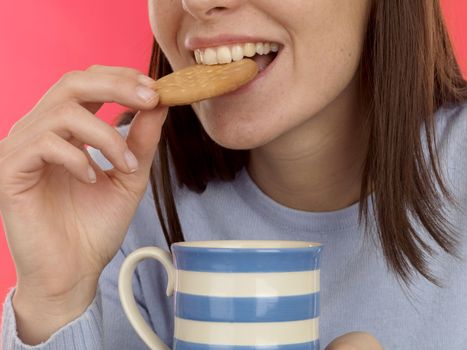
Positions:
(318, 165)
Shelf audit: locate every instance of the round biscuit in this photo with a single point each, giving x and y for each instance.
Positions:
(199, 82)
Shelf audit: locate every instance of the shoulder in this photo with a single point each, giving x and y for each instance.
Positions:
(451, 132)
(451, 142)
(451, 123)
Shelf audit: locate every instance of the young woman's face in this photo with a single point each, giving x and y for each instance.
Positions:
(320, 46)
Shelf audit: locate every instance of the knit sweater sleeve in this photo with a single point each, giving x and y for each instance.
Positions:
(103, 325)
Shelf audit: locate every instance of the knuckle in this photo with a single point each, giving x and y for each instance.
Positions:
(118, 82)
(117, 87)
(115, 141)
(69, 79)
(65, 109)
(67, 116)
(70, 76)
(47, 139)
(112, 143)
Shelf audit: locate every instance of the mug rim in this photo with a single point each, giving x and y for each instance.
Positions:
(248, 244)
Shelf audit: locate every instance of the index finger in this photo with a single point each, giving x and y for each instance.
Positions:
(92, 89)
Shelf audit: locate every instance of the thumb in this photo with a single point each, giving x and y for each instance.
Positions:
(355, 340)
(143, 137)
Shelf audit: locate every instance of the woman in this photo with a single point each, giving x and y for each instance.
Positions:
(349, 117)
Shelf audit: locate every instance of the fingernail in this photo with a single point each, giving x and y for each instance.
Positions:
(145, 80)
(131, 161)
(146, 94)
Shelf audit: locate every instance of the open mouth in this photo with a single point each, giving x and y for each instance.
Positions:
(264, 60)
(262, 53)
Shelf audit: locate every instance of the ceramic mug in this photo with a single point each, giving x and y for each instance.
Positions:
(234, 295)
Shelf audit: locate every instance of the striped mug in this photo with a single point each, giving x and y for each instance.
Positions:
(234, 295)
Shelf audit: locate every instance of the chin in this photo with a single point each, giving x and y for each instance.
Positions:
(236, 138)
(243, 126)
(237, 132)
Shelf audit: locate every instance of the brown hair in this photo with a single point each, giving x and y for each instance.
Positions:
(408, 71)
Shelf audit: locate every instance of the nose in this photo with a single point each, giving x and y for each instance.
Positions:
(205, 10)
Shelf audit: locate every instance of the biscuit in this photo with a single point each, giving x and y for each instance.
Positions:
(199, 82)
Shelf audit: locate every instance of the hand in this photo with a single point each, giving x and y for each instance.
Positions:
(355, 341)
(61, 229)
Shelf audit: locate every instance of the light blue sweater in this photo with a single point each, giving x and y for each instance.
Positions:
(357, 291)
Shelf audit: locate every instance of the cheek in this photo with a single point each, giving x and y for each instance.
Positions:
(165, 19)
(325, 74)
(329, 60)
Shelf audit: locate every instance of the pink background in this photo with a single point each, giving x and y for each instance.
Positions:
(41, 40)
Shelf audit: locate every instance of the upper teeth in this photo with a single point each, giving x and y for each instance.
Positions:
(225, 54)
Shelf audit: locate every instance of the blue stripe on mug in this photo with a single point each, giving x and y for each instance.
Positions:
(181, 345)
(246, 260)
(259, 309)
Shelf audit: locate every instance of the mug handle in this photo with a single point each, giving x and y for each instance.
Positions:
(128, 299)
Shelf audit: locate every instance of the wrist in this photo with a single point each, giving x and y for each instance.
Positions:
(39, 315)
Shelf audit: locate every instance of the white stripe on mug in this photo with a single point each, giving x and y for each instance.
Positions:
(267, 333)
(266, 284)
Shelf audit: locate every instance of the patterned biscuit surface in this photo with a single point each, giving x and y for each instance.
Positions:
(199, 82)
